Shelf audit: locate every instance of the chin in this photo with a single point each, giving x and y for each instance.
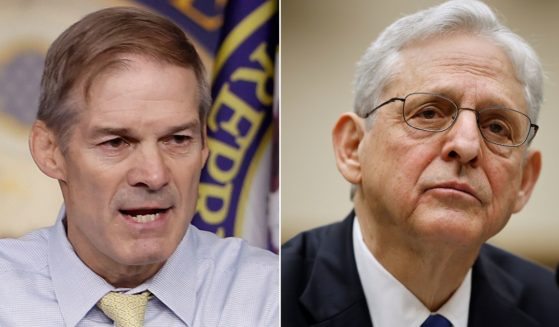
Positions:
(453, 229)
(145, 259)
(147, 254)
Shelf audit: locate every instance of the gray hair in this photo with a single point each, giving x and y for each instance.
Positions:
(379, 64)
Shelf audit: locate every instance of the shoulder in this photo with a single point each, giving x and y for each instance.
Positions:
(530, 286)
(302, 250)
(233, 263)
(526, 273)
(25, 254)
(317, 251)
(319, 278)
(232, 253)
(26, 280)
(238, 277)
(308, 242)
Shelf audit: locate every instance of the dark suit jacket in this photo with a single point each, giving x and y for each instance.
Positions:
(320, 285)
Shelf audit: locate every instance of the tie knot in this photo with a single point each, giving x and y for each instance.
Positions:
(436, 321)
(126, 310)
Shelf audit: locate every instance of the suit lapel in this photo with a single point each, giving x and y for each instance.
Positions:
(495, 297)
(334, 295)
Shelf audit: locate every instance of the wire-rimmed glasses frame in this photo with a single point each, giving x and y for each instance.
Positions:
(502, 119)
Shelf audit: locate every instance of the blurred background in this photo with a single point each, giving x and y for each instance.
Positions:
(321, 42)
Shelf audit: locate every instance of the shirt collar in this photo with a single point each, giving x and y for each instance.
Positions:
(175, 283)
(390, 303)
(78, 288)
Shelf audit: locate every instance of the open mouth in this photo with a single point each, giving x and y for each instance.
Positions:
(143, 215)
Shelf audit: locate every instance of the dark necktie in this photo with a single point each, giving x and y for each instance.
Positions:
(436, 321)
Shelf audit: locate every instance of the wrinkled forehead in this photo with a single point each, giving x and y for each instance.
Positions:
(465, 67)
(137, 84)
(113, 67)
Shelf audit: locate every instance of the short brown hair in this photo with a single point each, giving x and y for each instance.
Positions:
(98, 41)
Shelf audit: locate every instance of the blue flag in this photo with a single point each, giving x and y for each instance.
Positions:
(238, 187)
(236, 182)
(201, 20)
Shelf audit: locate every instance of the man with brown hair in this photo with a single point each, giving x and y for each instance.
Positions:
(121, 126)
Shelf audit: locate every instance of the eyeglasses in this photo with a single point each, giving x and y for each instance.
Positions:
(436, 113)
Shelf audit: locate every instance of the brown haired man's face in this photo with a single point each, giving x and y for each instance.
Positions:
(132, 169)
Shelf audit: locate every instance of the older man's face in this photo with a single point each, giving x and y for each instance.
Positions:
(450, 186)
(132, 167)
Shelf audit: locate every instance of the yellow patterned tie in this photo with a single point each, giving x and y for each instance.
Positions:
(126, 310)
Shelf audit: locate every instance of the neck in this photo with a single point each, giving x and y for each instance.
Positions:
(119, 275)
(432, 271)
(131, 276)
(115, 273)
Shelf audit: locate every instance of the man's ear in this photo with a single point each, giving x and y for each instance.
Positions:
(530, 174)
(346, 137)
(45, 151)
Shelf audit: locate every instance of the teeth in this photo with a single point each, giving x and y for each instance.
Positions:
(145, 218)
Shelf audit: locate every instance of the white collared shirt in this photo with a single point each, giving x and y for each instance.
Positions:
(391, 304)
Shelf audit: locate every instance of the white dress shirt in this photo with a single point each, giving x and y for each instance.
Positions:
(208, 281)
(391, 304)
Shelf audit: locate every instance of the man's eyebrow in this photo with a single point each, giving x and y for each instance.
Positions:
(495, 100)
(102, 131)
(192, 125)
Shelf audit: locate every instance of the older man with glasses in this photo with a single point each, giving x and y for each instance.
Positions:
(438, 153)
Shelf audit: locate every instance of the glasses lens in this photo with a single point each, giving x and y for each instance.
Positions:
(429, 112)
(504, 126)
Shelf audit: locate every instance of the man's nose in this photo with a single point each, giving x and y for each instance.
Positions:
(149, 169)
(463, 140)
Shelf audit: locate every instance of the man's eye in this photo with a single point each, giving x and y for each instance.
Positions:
(180, 139)
(428, 114)
(115, 143)
(497, 128)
